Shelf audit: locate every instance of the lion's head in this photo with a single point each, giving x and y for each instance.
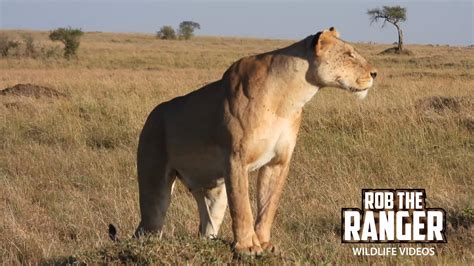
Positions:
(338, 64)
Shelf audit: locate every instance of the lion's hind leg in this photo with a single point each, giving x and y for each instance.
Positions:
(212, 204)
(155, 177)
(155, 198)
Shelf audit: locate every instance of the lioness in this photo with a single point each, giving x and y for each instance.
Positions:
(249, 119)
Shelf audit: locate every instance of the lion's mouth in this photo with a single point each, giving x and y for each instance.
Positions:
(353, 89)
(360, 93)
(350, 88)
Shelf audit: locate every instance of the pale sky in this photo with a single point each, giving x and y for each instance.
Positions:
(434, 22)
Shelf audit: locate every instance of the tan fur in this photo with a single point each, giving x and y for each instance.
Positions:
(211, 138)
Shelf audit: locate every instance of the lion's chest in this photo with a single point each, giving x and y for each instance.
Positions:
(262, 160)
(272, 145)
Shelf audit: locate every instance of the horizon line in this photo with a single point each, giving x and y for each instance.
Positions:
(238, 36)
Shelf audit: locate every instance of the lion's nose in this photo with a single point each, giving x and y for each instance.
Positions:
(373, 74)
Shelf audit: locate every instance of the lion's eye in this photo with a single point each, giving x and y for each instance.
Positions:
(351, 54)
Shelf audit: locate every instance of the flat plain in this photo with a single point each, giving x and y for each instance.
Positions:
(67, 159)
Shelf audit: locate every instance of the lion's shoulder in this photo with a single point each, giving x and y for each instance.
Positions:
(249, 71)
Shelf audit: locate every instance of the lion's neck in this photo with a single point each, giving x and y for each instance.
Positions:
(290, 78)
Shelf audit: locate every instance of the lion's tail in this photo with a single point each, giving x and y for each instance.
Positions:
(113, 233)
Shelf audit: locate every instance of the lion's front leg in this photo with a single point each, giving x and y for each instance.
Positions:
(237, 185)
(270, 183)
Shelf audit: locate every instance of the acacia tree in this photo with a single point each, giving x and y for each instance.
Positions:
(69, 37)
(186, 29)
(390, 14)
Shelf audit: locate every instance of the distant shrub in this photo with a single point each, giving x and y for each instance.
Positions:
(51, 52)
(186, 29)
(166, 33)
(30, 45)
(69, 37)
(6, 44)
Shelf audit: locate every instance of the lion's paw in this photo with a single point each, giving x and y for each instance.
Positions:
(248, 248)
(249, 251)
(269, 247)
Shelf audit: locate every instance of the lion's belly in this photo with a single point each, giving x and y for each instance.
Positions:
(198, 167)
(200, 178)
(197, 178)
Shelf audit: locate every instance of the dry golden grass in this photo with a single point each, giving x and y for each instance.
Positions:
(67, 165)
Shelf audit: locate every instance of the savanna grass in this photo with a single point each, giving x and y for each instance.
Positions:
(67, 165)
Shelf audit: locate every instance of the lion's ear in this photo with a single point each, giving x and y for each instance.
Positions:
(334, 32)
(323, 40)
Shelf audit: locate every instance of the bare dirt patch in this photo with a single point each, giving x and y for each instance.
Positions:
(394, 50)
(441, 104)
(438, 108)
(32, 90)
